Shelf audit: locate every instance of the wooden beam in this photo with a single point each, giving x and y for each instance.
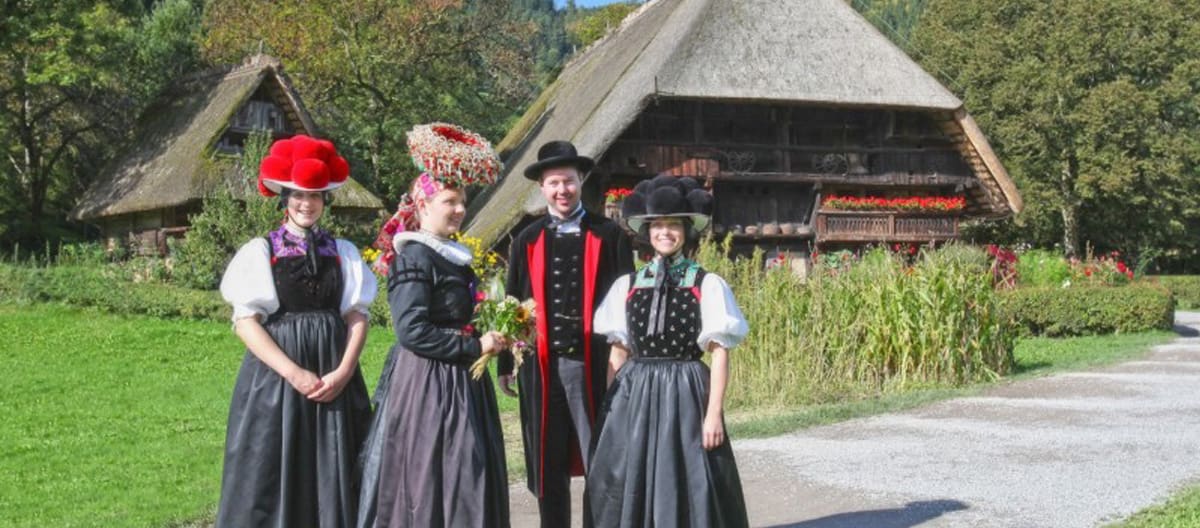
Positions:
(889, 179)
(832, 149)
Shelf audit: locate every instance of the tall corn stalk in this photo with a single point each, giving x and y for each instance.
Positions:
(875, 325)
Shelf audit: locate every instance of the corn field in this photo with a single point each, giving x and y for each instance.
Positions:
(865, 326)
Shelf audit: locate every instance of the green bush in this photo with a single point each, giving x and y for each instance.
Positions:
(1090, 310)
(1185, 288)
(105, 288)
(232, 214)
(109, 288)
(1040, 267)
(863, 326)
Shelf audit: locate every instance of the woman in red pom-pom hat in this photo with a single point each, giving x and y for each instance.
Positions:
(300, 410)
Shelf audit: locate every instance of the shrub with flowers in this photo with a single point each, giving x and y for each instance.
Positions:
(1004, 266)
(1039, 267)
(930, 204)
(1107, 270)
(487, 262)
(616, 194)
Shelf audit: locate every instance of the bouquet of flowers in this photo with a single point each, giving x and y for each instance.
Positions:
(495, 311)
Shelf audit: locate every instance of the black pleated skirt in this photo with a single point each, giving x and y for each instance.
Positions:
(291, 462)
(441, 460)
(649, 467)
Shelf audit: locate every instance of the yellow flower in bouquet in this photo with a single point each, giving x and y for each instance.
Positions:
(495, 311)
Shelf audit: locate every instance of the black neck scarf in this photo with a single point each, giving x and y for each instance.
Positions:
(668, 273)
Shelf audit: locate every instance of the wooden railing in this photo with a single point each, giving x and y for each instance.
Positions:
(882, 226)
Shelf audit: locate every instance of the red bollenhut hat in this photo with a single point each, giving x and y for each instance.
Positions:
(302, 163)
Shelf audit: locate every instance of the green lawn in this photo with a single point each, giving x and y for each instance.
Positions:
(120, 421)
(1180, 511)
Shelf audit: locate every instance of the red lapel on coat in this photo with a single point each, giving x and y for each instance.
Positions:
(591, 265)
(536, 257)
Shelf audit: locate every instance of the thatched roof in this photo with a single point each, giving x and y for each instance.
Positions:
(171, 161)
(793, 51)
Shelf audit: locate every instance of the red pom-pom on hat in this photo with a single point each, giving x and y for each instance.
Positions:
(326, 149)
(304, 147)
(339, 169)
(282, 148)
(302, 163)
(310, 174)
(264, 190)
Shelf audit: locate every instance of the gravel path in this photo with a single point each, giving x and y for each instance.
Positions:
(1071, 450)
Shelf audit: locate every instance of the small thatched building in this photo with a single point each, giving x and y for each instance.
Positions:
(190, 140)
(775, 103)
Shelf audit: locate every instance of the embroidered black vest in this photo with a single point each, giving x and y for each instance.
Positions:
(671, 330)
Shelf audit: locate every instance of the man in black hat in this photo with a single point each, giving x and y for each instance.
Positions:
(566, 262)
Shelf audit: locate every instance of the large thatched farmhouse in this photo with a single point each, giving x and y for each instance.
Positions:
(809, 126)
(190, 140)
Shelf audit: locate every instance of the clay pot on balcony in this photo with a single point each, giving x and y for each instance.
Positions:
(787, 228)
(770, 228)
(613, 210)
(752, 230)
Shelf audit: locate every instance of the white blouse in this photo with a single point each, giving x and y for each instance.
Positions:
(720, 318)
(250, 287)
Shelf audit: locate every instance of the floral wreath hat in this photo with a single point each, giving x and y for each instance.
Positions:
(449, 156)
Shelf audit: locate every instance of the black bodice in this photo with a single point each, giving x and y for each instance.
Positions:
(432, 302)
(682, 323)
(299, 292)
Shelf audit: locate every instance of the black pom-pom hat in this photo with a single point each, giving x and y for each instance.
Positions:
(666, 196)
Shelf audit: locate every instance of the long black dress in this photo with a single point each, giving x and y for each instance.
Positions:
(649, 467)
(289, 461)
(436, 439)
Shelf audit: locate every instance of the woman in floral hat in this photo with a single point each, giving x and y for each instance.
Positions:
(435, 455)
(299, 410)
(662, 457)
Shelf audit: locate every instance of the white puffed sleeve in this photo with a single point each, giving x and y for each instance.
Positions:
(248, 283)
(610, 317)
(358, 283)
(720, 318)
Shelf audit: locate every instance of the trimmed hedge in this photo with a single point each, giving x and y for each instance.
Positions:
(1186, 289)
(1090, 310)
(106, 289)
(102, 288)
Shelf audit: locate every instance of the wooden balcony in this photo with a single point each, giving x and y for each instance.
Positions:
(884, 226)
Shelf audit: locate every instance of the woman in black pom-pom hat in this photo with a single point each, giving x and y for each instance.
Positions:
(662, 457)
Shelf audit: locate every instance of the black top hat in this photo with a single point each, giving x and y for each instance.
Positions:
(558, 154)
(667, 196)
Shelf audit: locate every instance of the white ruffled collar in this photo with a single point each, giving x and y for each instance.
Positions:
(451, 250)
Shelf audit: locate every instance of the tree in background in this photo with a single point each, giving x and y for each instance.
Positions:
(75, 73)
(1091, 105)
(587, 27)
(371, 69)
(548, 44)
(894, 18)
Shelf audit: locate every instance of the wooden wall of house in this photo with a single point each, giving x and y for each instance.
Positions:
(769, 164)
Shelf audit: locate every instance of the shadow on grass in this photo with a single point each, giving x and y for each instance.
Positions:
(912, 514)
